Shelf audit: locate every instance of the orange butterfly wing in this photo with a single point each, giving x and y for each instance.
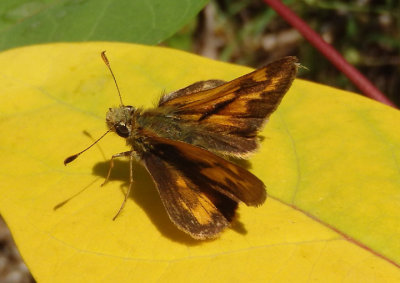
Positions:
(199, 189)
(237, 109)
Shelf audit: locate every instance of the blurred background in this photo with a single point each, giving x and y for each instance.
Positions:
(365, 32)
(245, 32)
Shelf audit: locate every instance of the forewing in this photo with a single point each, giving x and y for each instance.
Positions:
(238, 108)
(200, 212)
(199, 189)
(206, 169)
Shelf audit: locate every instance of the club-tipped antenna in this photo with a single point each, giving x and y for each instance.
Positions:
(104, 57)
(75, 156)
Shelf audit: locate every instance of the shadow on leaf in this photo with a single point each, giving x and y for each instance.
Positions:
(144, 193)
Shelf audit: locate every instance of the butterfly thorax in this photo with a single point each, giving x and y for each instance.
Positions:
(163, 123)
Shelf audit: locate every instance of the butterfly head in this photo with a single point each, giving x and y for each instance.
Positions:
(119, 120)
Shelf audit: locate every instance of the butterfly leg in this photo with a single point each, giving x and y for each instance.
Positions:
(121, 154)
(131, 157)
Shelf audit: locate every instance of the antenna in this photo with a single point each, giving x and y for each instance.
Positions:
(75, 156)
(104, 57)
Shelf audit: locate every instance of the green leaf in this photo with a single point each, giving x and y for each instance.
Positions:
(26, 22)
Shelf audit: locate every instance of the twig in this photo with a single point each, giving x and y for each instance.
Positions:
(362, 83)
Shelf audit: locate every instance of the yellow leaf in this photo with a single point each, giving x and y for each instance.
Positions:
(330, 160)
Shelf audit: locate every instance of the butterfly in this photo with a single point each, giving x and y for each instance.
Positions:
(184, 140)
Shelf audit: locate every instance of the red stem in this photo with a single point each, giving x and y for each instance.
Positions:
(329, 52)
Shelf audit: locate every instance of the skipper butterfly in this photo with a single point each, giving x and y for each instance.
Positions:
(182, 141)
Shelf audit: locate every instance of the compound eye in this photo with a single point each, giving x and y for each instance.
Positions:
(122, 130)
